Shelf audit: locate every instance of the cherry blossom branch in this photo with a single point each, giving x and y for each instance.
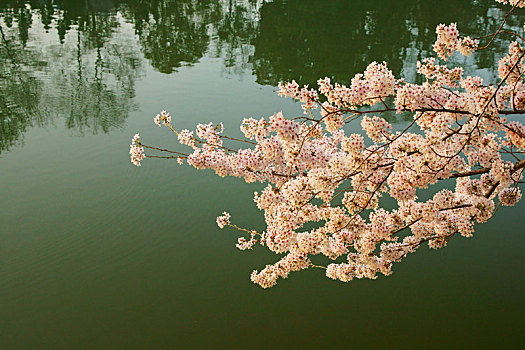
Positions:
(323, 184)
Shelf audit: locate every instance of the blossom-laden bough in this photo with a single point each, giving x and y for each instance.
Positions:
(319, 176)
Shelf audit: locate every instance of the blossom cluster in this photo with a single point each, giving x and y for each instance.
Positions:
(223, 220)
(448, 41)
(162, 118)
(517, 3)
(324, 185)
(136, 151)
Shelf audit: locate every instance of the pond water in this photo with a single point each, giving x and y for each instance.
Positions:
(98, 254)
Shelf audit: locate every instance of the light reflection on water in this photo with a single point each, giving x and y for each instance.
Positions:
(98, 254)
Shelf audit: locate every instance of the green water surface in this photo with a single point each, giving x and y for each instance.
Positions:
(98, 254)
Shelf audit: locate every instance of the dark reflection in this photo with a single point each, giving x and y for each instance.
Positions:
(79, 60)
(302, 40)
(172, 33)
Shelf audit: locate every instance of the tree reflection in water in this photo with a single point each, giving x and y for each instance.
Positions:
(80, 60)
(302, 40)
(172, 33)
(72, 63)
(19, 93)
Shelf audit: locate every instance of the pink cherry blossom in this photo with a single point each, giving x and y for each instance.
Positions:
(324, 187)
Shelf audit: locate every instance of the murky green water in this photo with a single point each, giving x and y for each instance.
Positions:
(98, 254)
